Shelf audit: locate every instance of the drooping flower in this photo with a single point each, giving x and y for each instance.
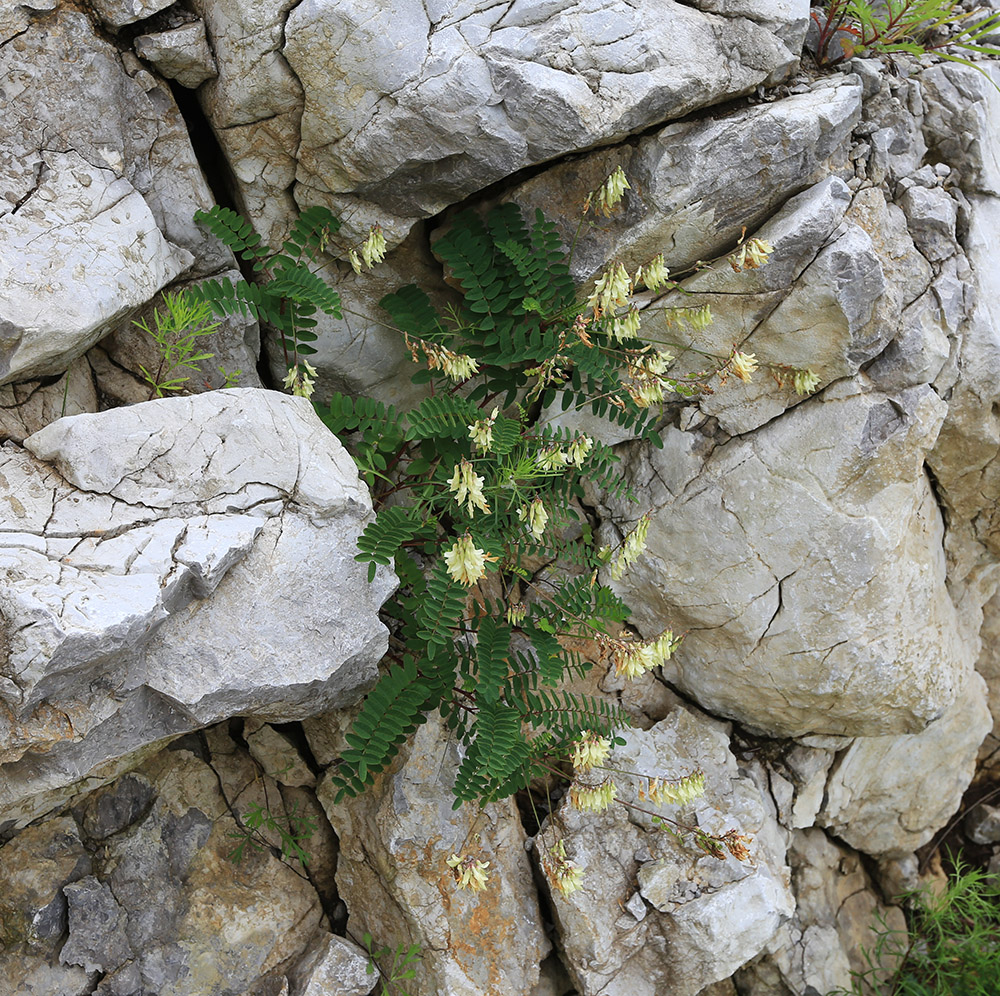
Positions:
(743, 365)
(654, 274)
(611, 290)
(626, 327)
(751, 255)
(592, 798)
(468, 487)
(679, 792)
(579, 450)
(566, 875)
(805, 381)
(631, 549)
(590, 750)
(466, 562)
(470, 873)
(693, 318)
(457, 366)
(536, 516)
(373, 249)
(608, 195)
(736, 844)
(301, 379)
(551, 460)
(481, 431)
(516, 613)
(355, 261)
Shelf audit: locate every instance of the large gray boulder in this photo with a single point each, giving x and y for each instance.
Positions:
(805, 563)
(100, 183)
(169, 565)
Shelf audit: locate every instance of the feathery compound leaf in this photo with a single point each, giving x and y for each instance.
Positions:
(442, 416)
(311, 233)
(389, 715)
(227, 226)
(381, 539)
(441, 607)
(301, 285)
(492, 650)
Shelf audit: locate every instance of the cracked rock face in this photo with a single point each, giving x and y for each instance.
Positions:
(393, 874)
(99, 190)
(805, 563)
(168, 565)
(654, 915)
(134, 890)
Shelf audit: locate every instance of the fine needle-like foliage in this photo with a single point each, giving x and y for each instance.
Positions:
(481, 496)
(951, 946)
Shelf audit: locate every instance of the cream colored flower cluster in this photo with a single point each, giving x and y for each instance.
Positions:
(372, 250)
(680, 792)
(593, 798)
(470, 873)
(301, 379)
(564, 874)
(590, 751)
(632, 658)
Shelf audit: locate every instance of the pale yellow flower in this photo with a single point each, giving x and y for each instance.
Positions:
(566, 875)
(355, 261)
(743, 365)
(694, 318)
(516, 613)
(481, 431)
(611, 290)
(579, 450)
(654, 274)
(457, 366)
(751, 255)
(551, 460)
(631, 549)
(468, 488)
(680, 792)
(626, 327)
(592, 798)
(466, 562)
(301, 379)
(536, 517)
(590, 750)
(373, 250)
(608, 195)
(805, 381)
(470, 873)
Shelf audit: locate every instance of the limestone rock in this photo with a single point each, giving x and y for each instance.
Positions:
(332, 966)
(34, 868)
(799, 560)
(180, 54)
(133, 572)
(118, 13)
(988, 666)
(408, 109)
(697, 184)
(27, 407)
(60, 296)
(836, 906)
(277, 756)
(695, 918)
(97, 939)
(154, 900)
(392, 873)
(888, 795)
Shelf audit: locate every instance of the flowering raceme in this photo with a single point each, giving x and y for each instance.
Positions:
(470, 873)
(465, 561)
(468, 486)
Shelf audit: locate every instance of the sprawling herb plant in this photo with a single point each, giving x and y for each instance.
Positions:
(480, 494)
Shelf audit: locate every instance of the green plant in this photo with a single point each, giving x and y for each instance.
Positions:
(914, 26)
(482, 499)
(400, 968)
(951, 946)
(176, 330)
(293, 831)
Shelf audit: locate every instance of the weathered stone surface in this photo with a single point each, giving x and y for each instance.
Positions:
(25, 408)
(800, 560)
(133, 572)
(60, 293)
(392, 873)
(277, 756)
(889, 794)
(931, 214)
(697, 183)
(835, 909)
(988, 666)
(99, 191)
(155, 903)
(118, 13)
(695, 919)
(331, 966)
(180, 54)
(411, 108)
(34, 868)
(97, 938)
